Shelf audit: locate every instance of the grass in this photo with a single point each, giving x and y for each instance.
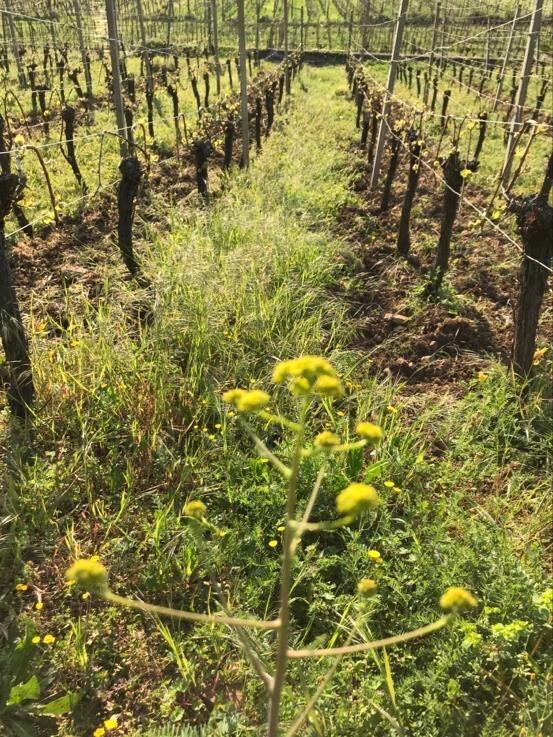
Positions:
(131, 426)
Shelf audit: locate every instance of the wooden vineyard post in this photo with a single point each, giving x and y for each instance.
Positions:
(386, 103)
(434, 36)
(506, 58)
(286, 70)
(116, 77)
(535, 223)
(216, 45)
(82, 46)
(302, 30)
(244, 117)
(535, 26)
(20, 387)
(15, 45)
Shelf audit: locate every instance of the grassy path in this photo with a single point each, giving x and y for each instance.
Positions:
(131, 426)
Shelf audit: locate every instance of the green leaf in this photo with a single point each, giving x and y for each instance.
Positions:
(375, 471)
(62, 705)
(24, 691)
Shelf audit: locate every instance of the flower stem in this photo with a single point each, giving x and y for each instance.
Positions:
(286, 580)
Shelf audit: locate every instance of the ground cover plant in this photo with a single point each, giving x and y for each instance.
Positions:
(148, 551)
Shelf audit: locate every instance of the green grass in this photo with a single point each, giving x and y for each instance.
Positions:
(130, 426)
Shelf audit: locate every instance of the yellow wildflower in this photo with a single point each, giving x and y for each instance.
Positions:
(196, 509)
(39, 605)
(391, 409)
(306, 367)
(48, 639)
(389, 484)
(19, 140)
(356, 498)
(328, 386)
(367, 587)
(538, 355)
(397, 489)
(273, 543)
(89, 574)
(482, 376)
(374, 555)
(247, 400)
(281, 528)
(370, 431)
(35, 640)
(110, 723)
(100, 732)
(326, 439)
(457, 598)
(86, 595)
(465, 173)
(21, 587)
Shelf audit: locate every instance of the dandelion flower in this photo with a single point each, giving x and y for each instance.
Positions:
(281, 528)
(374, 555)
(110, 723)
(370, 431)
(39, 605)
(367, 587)
(89, 574)
(86, 595)
(273, 543)
(35, 640)
(482, 376)
(326, 439)
(100, 732)
(21, 587)
(458, 599)
(196, 509)
(356, 498)
(48, 639)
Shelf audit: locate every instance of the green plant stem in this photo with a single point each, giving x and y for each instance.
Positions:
(279, 420)
(266, 453)
(365, 647)
(142, 606)
(286, 580)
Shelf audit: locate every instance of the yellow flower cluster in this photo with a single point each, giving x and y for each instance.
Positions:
(195, 508)
(327, 440)
(370, 431)
(458, 599)
(355, 499)
(247, 400)
(90, 574)
(367, 587)
(308, 374)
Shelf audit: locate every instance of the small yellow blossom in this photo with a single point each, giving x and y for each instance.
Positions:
(326, 439)
(389, 484)
(48, 639)
(35, 640)
(86, 595)
(196, 509)
(482, 376)
(89, 574)
(307, 368)
(247, 400)
(356, 498)
(370, 431)
(465, 173)
(273, 543)
(391, 409)
(457, 598)
(328, 386)
(39, 605)
(538, 355)
(21, 587)
(397, 489)
(367, 587)
(374, 555)
(281, 528)
(340, 413)
(100, 732)
(19, 140)
(110, 723)
(218, 426)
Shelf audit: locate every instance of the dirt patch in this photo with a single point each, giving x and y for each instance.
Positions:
(422, 342)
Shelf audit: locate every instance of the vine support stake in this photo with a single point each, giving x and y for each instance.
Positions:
(216, 45)
(386, 103)
(506, 58)
(244, 118)
(84, 53)
(526, 72)
(15, 45)
(116, 77)
(434, 36)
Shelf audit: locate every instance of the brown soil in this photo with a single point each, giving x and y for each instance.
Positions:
(421, 342)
